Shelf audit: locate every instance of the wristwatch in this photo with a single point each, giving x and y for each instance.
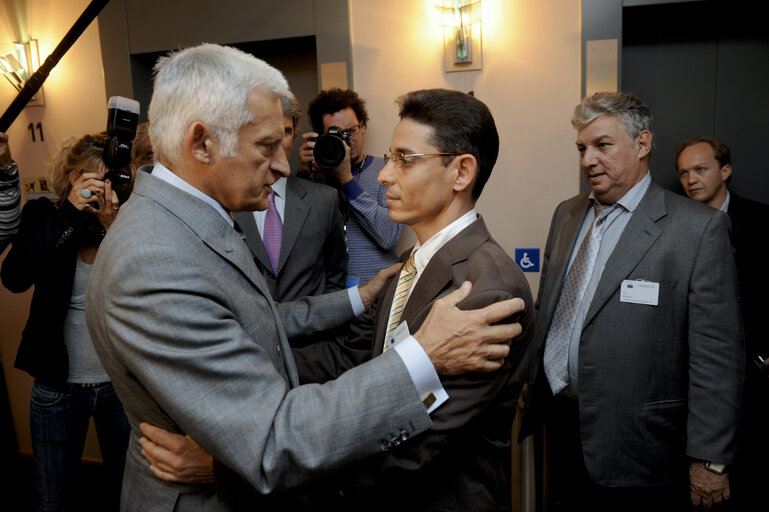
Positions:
(715, 467)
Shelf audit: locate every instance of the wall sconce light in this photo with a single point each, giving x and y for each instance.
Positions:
(461, 20)
(18, 61)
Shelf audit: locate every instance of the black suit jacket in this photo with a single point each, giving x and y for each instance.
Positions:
(750, 222)
(313, 256)
(463, 462)
(44, 254)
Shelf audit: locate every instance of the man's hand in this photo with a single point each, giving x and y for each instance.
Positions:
(343, 171)
(459, 341)
(306, 159)
(369, 291)
(108, 206)
(707, 488)
(174, 457)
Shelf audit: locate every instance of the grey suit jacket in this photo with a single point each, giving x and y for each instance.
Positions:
(313, 257)
(656, 383)
(463, 462)
(186, 328)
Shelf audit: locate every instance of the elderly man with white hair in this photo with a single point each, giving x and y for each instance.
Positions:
(186, 328)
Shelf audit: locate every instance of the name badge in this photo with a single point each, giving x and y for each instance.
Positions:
(640, 292)
(399, 334)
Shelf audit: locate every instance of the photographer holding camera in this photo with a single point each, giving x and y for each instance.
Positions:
(54, 250)
(333, 154)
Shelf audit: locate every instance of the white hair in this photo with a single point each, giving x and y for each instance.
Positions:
(208, 84)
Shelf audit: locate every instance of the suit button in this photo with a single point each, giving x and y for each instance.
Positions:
(384, 446)
(404, 436)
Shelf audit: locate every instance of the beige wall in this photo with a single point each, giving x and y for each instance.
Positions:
(75, 104)
(529, 80)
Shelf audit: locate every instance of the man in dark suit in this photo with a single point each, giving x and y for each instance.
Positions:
(312, 258)
(190, 336)
(434, 175)
(705, 169)
(638, 373)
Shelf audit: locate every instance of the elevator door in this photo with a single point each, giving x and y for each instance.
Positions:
(703, 68)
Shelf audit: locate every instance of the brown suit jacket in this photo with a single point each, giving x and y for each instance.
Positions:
(462, 462)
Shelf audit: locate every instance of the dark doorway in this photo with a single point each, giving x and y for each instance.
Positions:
(295, 57)
(703, 67)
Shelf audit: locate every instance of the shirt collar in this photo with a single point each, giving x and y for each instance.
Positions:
(633, 196)
(279, 187)
(162, 172)
(425, 252)
(725, 206)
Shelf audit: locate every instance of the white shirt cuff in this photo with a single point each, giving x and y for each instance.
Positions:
(355, 301)
(422, 372)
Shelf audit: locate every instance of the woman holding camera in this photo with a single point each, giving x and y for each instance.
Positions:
(54, 251)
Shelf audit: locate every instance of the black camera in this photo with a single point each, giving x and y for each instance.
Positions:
(329, 149)
(122, 119)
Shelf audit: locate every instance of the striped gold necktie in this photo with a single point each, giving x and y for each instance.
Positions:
(408, 273)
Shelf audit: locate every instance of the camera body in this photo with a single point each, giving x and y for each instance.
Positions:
(329, 150)
(122, 119)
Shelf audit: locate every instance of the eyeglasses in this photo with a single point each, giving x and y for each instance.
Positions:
(401, 160)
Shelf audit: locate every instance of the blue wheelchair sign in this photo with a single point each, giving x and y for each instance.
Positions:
(528, 259)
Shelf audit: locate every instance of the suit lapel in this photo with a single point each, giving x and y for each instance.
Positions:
(563, 246)
(295, 212)
(210, 226)
(383, 311)
(221, 238)
(639, 235)
(247, 223)
(436, 276)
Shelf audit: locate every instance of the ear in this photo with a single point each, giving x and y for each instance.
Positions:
(726, 172)
(644, 142)
(466, 171)
(73, 177)
(200, 144)
(362, 129)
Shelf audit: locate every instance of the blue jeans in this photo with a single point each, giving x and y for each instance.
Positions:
(58, 423)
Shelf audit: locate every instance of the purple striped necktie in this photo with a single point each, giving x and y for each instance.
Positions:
(273, 233)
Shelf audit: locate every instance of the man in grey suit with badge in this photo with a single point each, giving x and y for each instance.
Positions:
(638, 374)
(191, 338)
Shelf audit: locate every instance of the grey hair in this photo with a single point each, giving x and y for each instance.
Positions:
(631, 111)
(291, 107)
(208, 84)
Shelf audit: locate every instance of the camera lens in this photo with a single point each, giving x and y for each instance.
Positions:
(329, 151)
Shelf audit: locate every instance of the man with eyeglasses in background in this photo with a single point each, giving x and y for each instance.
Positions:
(434, 176)
(370, 234)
